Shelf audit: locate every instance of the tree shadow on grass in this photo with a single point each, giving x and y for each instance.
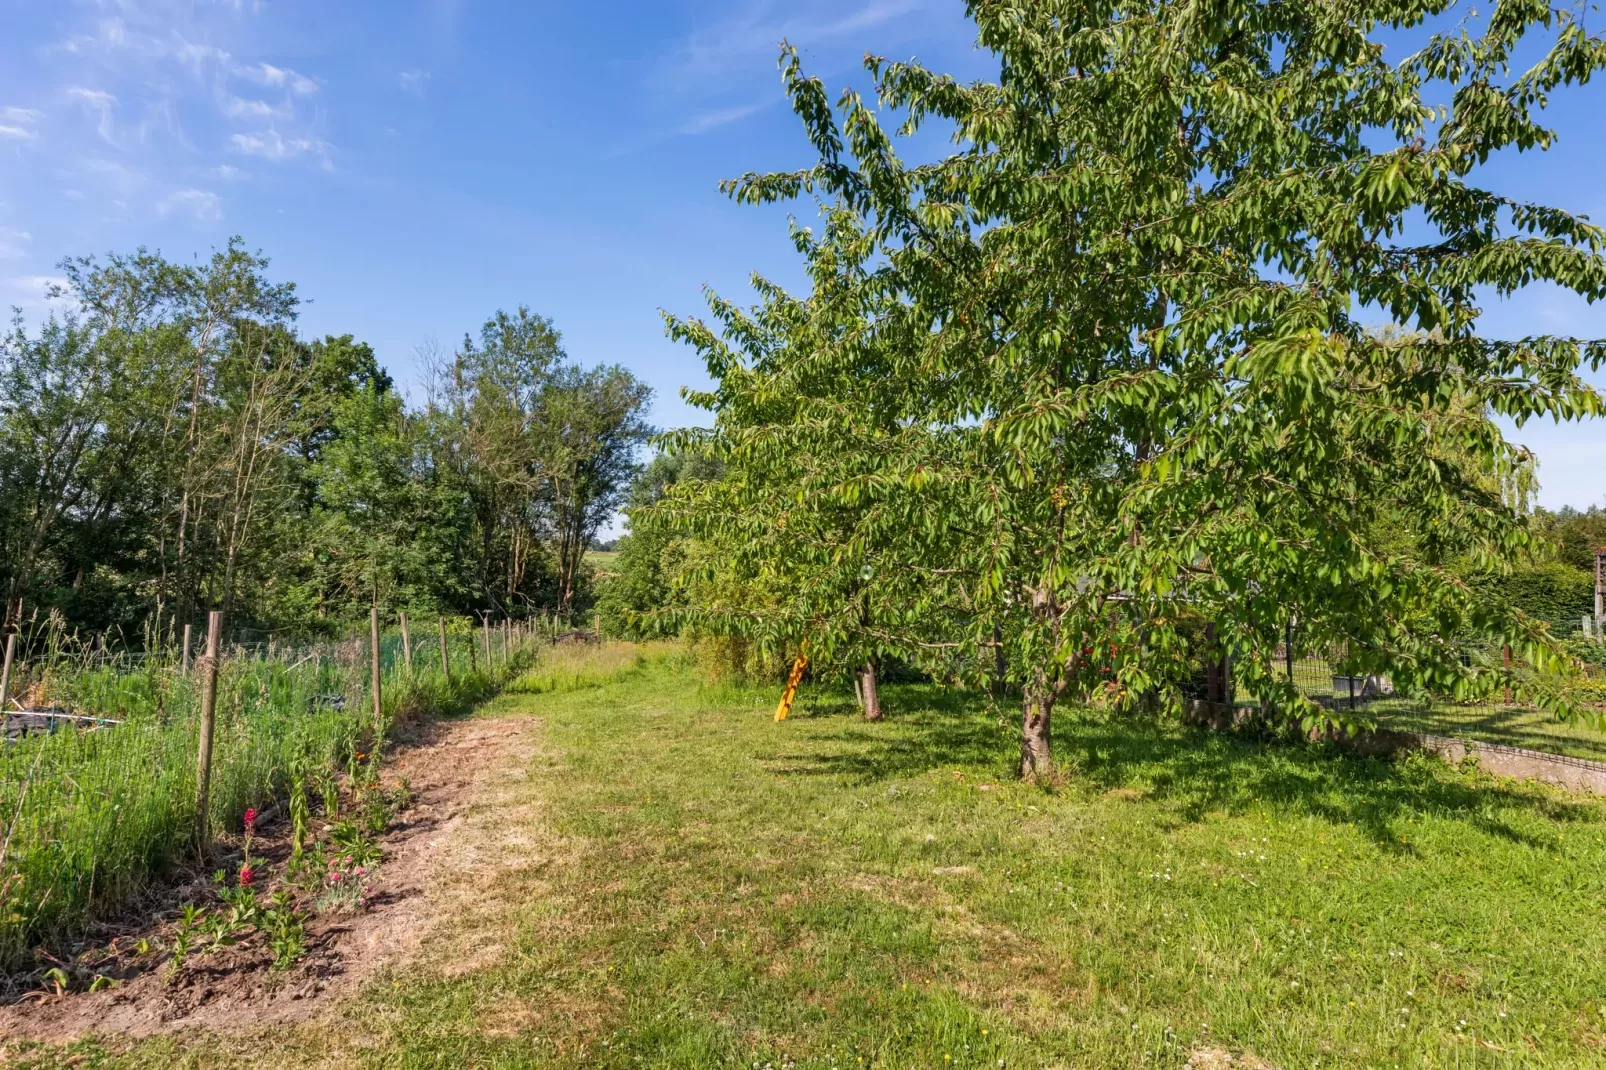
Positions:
(1200, 772)
(1194, 771)
(1512, 726)
(926, 727)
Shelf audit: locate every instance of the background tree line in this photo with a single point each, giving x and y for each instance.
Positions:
(169, 443)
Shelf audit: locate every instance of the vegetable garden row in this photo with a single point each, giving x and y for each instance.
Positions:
(105, 796)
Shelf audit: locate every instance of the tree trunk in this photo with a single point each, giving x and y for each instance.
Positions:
(1000, 667)
(872, 701)
(1037, 707)
(1218, 677)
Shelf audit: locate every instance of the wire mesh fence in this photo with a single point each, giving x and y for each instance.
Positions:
(1520, 710)
(98, 771)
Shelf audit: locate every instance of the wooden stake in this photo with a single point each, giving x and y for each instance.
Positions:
(5, 679)
(407, 644)
(203, 761)
(189, 642)
(446, 655)
(485, 637)
(1508, 674)
(373, 635)
(1600, 589)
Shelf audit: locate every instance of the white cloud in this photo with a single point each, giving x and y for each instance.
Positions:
(704, 123)
(229, 173)
(23, 116)
(14, 243)
(196, 56)
(110, 35)
(15, 133)
(99, 102)
(150, 36)
(414, 81)
(30, 292)
(241, 108)
(202, 204)
(736, 42)
(272, 145)
(94, 98)
(141, 65)
(278, 77)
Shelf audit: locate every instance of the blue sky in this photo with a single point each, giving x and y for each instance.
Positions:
(416, 164)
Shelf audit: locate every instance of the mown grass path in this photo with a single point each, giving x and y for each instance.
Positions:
(674, 880)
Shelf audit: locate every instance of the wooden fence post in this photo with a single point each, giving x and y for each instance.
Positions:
(407, 644)
(473, 666)
(446, 654)
(203, 761)
(1508, 674)
(189, 642)
(373, 635)
(5, 679)
(485, 637)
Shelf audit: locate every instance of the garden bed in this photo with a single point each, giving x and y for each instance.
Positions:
(121, 979)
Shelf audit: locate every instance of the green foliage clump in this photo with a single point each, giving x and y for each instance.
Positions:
(638, 599)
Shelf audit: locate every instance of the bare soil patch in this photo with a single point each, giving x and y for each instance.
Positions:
(454, 767)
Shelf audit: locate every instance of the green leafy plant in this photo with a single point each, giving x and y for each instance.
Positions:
(401, 795)
(300, 817)
(330, 788)
(286, 929)
(57, 978)
(352, 843)
(191, 922)
(244, 909)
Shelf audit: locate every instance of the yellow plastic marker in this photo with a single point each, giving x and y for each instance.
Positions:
(791, 686)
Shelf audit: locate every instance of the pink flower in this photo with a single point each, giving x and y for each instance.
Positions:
(250, 819)
(334, 876)
(247, 875)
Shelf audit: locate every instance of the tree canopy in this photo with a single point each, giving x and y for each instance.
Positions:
(1100, 381)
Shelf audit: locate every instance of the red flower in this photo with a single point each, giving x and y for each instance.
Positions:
(250, 819)
(247, 875)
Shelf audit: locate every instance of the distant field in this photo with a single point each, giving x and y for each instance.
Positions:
(602, 560)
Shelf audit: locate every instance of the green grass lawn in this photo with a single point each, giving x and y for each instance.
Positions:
(723, 891)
